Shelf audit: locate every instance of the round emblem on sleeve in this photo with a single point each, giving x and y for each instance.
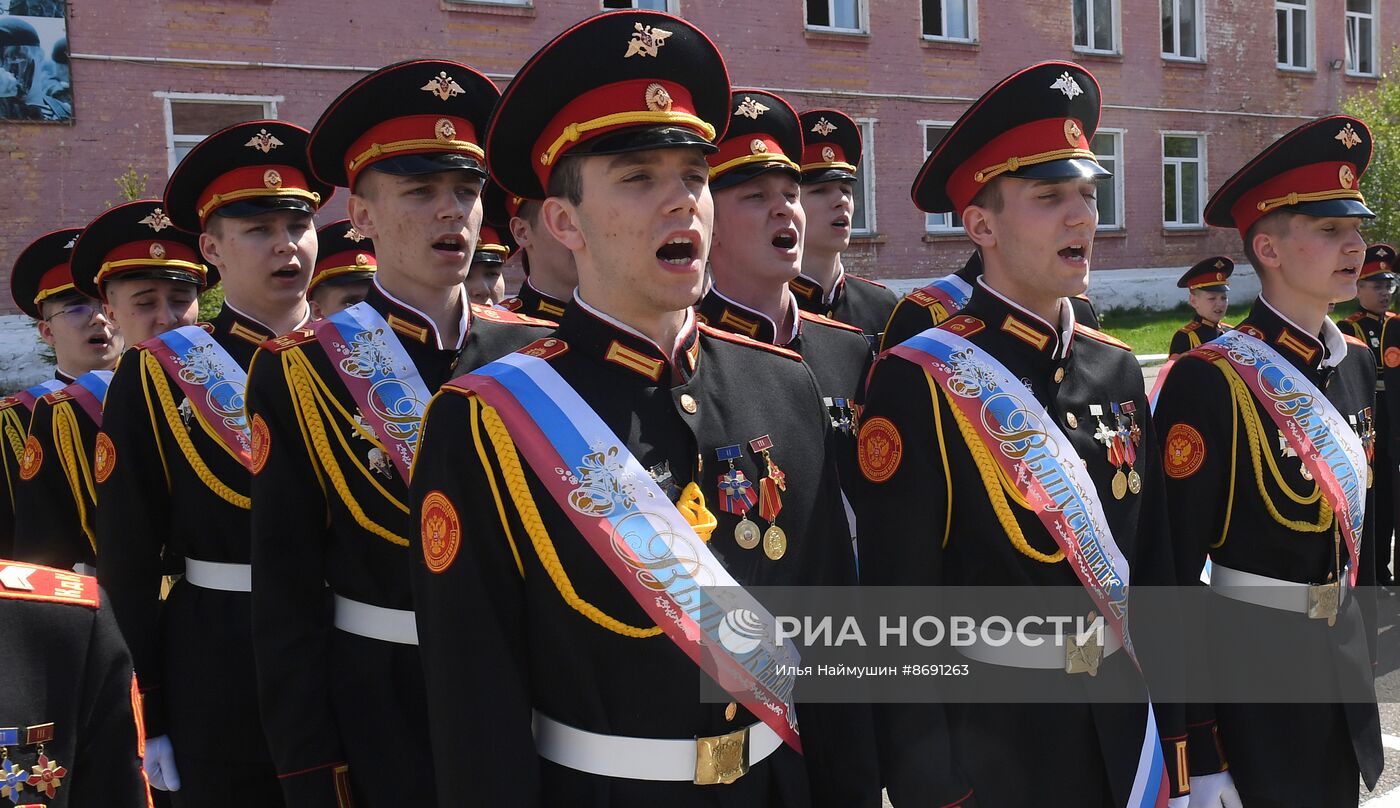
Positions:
(1184, 452)
(31, 460)
(441, 531)
(1392, 357)
(879, 449)
(104, 458)
(262, 442)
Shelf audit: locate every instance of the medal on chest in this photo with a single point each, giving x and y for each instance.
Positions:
(736, 497)
(770, 501)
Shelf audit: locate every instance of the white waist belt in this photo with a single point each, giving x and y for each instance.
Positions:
(1045, 656)
(376, 622)
(83, 568)
(635, 758)
(1273, 593)
(218, 575)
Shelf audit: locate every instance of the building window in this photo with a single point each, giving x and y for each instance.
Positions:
(191, 117)
(1108, 148)
(863, 222)
(1181, 29)
(1294, 22)
(1183, 179)
(1095, 25)
(1361, 37)
(837, 15)
(954, 20)
(668, 6)
(938, 223)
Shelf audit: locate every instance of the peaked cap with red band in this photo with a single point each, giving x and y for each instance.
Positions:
(1208, 275)
(43, 270)
(1380, 263)
(1036, 124)
(416, 117)
(1314, 170)
(343, 255)
(617, 82)
(763, 135)
(244, 170)
(831, 146)
(495, 244)
(137, 241)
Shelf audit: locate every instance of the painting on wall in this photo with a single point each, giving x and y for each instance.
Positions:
(35, 84)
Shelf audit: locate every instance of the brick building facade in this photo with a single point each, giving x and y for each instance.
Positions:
(1189, 92)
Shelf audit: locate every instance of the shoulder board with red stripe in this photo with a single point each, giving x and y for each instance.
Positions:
(740, 339)
(1189, 327)
(1100, 336)
(509, 317)
(512, 304)
(8, 402)
(1349, 338)
(208, 327)
(1353, 317)
(33, 582)
(55, 397)
(867, 280)
(963, 325)
(817, 318)
(291, 339)
(921, 298)
(546, 348)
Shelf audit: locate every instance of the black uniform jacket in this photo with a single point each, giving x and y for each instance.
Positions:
(531, 302)
(853, 300)
(15, 414)
(1194, 334)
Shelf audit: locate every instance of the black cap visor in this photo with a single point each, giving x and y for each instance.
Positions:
(156, 274)
(1072, 169)
(413, 165)
(1329, 208)
(819, 175)
(644, 138)
(1214, 287)
(258, 205)
(742, 174)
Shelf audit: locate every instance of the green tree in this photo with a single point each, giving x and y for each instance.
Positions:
(131, 186)
(1379, 108)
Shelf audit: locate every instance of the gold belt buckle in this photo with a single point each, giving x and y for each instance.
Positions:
(1324, 601)
(1083, 655)
(722, 759)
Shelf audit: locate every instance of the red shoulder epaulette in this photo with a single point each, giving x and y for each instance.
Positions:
(291, 339)
(1224, 326)
(508, 317)
(33, 582)
(1355, 341)
(512, 304)
(8, 402)
(1390, 314)
(55, 397)
(963, 325)
(867, 280)
(546, 348)
(1249, 330)
(1189, 327)
(817, 318)
(1353, 317)
(1100, 336)
(740, 339)
(921, 298)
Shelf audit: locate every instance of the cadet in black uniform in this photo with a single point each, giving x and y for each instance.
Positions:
(345, 265)
(486, 285)
(706, 416)
(70, 724)
(179, 455)
(339, 676)
(1209, 296)
(828, 165)
(939, 509)
(1299, 209)
(1371, 323)
(550, 274)
(56, 508)
(42, 273)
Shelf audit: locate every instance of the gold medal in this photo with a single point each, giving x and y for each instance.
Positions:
(1120, 484)
(1134, 482)
(774, 543)
(746, 533)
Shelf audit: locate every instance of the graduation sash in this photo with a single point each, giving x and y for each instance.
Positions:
(212, 381)
(89, 390)
(380, 376)
(1038, 458)
(951, 292)
(640, 535)
(29, 395)
(1330, 450)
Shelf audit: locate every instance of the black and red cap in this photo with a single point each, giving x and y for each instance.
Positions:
(137, 241)
(495, 244)
(344, 254)
(43, 270)
(422, 116)
(763, 135)
(1035, 124)
(1208, 275)
(831, 146)
(617, 82)
(244, 170)
(1314, 170)
(1380, 263)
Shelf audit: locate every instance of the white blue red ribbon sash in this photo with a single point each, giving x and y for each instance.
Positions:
(29, 395)
(213, 382)
(646, 542)
(380, 376)
(89, 390)
(951, 291)
(1330, 450)
(1038, 458)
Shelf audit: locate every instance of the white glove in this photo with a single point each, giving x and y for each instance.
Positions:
(160, 764)
(1214, 791)
(1179, 802)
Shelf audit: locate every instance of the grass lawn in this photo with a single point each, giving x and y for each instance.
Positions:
(1150, 332)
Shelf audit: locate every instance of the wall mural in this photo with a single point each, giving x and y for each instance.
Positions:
(34, 80)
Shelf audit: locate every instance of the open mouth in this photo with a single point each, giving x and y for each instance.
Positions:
(287, 273)
(1349, 271)
(450, 244)
(785, 240)
(678, 251)
(99, 341)
(1074, 252)
(842, 222)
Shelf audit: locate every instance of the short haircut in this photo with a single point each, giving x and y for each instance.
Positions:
(530, 212)
(567, 180)
(55, 303)
(990, 196)
(214, 225)
(1275, 224)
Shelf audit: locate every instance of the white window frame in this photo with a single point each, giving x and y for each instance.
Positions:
(1374, 44)
(971, 23)
(1176, 32)
(1310, 17)
(930, 227)
(507, 3)
(269, 104)
(867, 176)
(1119, 186)
(1201, 174)
(671, 6)
(1117, 12)
(862, 11)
